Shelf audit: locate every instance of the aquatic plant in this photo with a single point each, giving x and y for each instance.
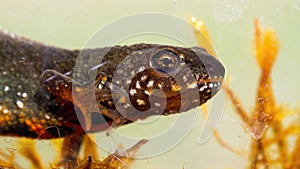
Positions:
(275, 140)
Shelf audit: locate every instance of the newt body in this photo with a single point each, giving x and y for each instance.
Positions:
(41, 92)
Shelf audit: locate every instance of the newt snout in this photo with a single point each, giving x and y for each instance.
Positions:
(215, 71)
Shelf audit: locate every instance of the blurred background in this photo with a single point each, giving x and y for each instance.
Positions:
(70, 24)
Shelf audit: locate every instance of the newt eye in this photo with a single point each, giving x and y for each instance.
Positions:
(165, 61)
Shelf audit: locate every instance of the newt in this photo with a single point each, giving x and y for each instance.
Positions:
(49, 92)
(38, 83)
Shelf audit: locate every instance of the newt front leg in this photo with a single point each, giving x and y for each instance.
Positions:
(85, 98)
(65, 88)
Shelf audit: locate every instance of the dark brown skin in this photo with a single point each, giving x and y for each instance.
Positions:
(43, 94)
(48, 92)
(22, 63)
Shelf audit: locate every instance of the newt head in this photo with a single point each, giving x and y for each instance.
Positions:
(137, 81)
(159, 79)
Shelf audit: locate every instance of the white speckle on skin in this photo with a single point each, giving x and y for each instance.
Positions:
(148, 92)
(140, 102)
(126, 106)
(47, 116)
(137, 85)
(6, 88)
(144, 77)
(24, 94)
(181, 56)
(100, 86)
(19, 93)
(191, 86)
(5, 111)
(150, 84)
(157, 104)
(202, 88)
(102, 82)
(110, 103)
(207, 96)
(160, 85)
(142, 68)
(195, 101)
(20, 104)
(184, 78)
(132, 91)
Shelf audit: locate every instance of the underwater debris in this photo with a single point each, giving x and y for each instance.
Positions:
(117, 160)
(121, 159)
